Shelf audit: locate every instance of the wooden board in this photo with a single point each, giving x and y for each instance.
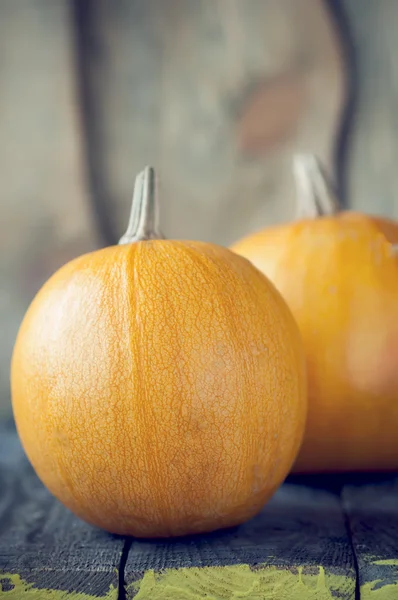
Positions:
(45, 552)
(319, 538)
(372, 512)
(296, 549)
(373, 153)
(45, 211)
(217, 96)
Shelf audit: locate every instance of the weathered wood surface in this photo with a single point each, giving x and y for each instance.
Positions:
(298, 544)
(217, 96)
(372, 512)
(191, 89)
(45, 552)
(373, 155)
(297, 548)
(319, 538)
(45, 215)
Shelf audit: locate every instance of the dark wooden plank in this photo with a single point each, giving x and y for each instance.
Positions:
(45, 552)
(296, 549)
(217, 97)
(46, 217)
(372, 511)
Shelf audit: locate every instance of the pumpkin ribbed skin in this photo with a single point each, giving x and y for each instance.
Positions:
(339, 275)
(158, 388)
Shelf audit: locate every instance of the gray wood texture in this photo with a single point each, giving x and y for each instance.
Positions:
(296, 548)
(45, 215)
(217, 95)
(298, 543)
(372, 513)
(319, 538)
(373, 154)
(42, 545)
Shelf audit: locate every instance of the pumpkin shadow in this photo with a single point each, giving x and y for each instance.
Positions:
(193, 538)
(335, 482)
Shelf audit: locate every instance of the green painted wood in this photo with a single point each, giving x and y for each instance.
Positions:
(372, 512)
(45, 552)
(297, 548)
(301, 546)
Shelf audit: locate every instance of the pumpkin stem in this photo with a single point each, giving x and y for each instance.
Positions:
(316, 195)
(144, 217)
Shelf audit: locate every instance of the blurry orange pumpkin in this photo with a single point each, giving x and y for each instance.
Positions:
(339, 275)
(159, 386)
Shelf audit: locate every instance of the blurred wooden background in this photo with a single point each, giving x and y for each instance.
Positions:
(217, 95)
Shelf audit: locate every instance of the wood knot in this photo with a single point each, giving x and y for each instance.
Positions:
(270, 113)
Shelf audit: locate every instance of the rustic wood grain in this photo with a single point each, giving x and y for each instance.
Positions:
(45, 218)
(296, 548)
(372, 512)
(43, 547)
(373, 156)
(298, 545)
(217, 96)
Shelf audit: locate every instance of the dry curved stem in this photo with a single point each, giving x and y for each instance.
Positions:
(144, 217)
(315, 194)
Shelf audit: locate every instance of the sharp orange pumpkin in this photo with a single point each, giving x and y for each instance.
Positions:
(339, 275)
(158, 386)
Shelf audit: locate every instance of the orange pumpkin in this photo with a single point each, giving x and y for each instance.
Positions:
(158, 386)
(339, 275)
